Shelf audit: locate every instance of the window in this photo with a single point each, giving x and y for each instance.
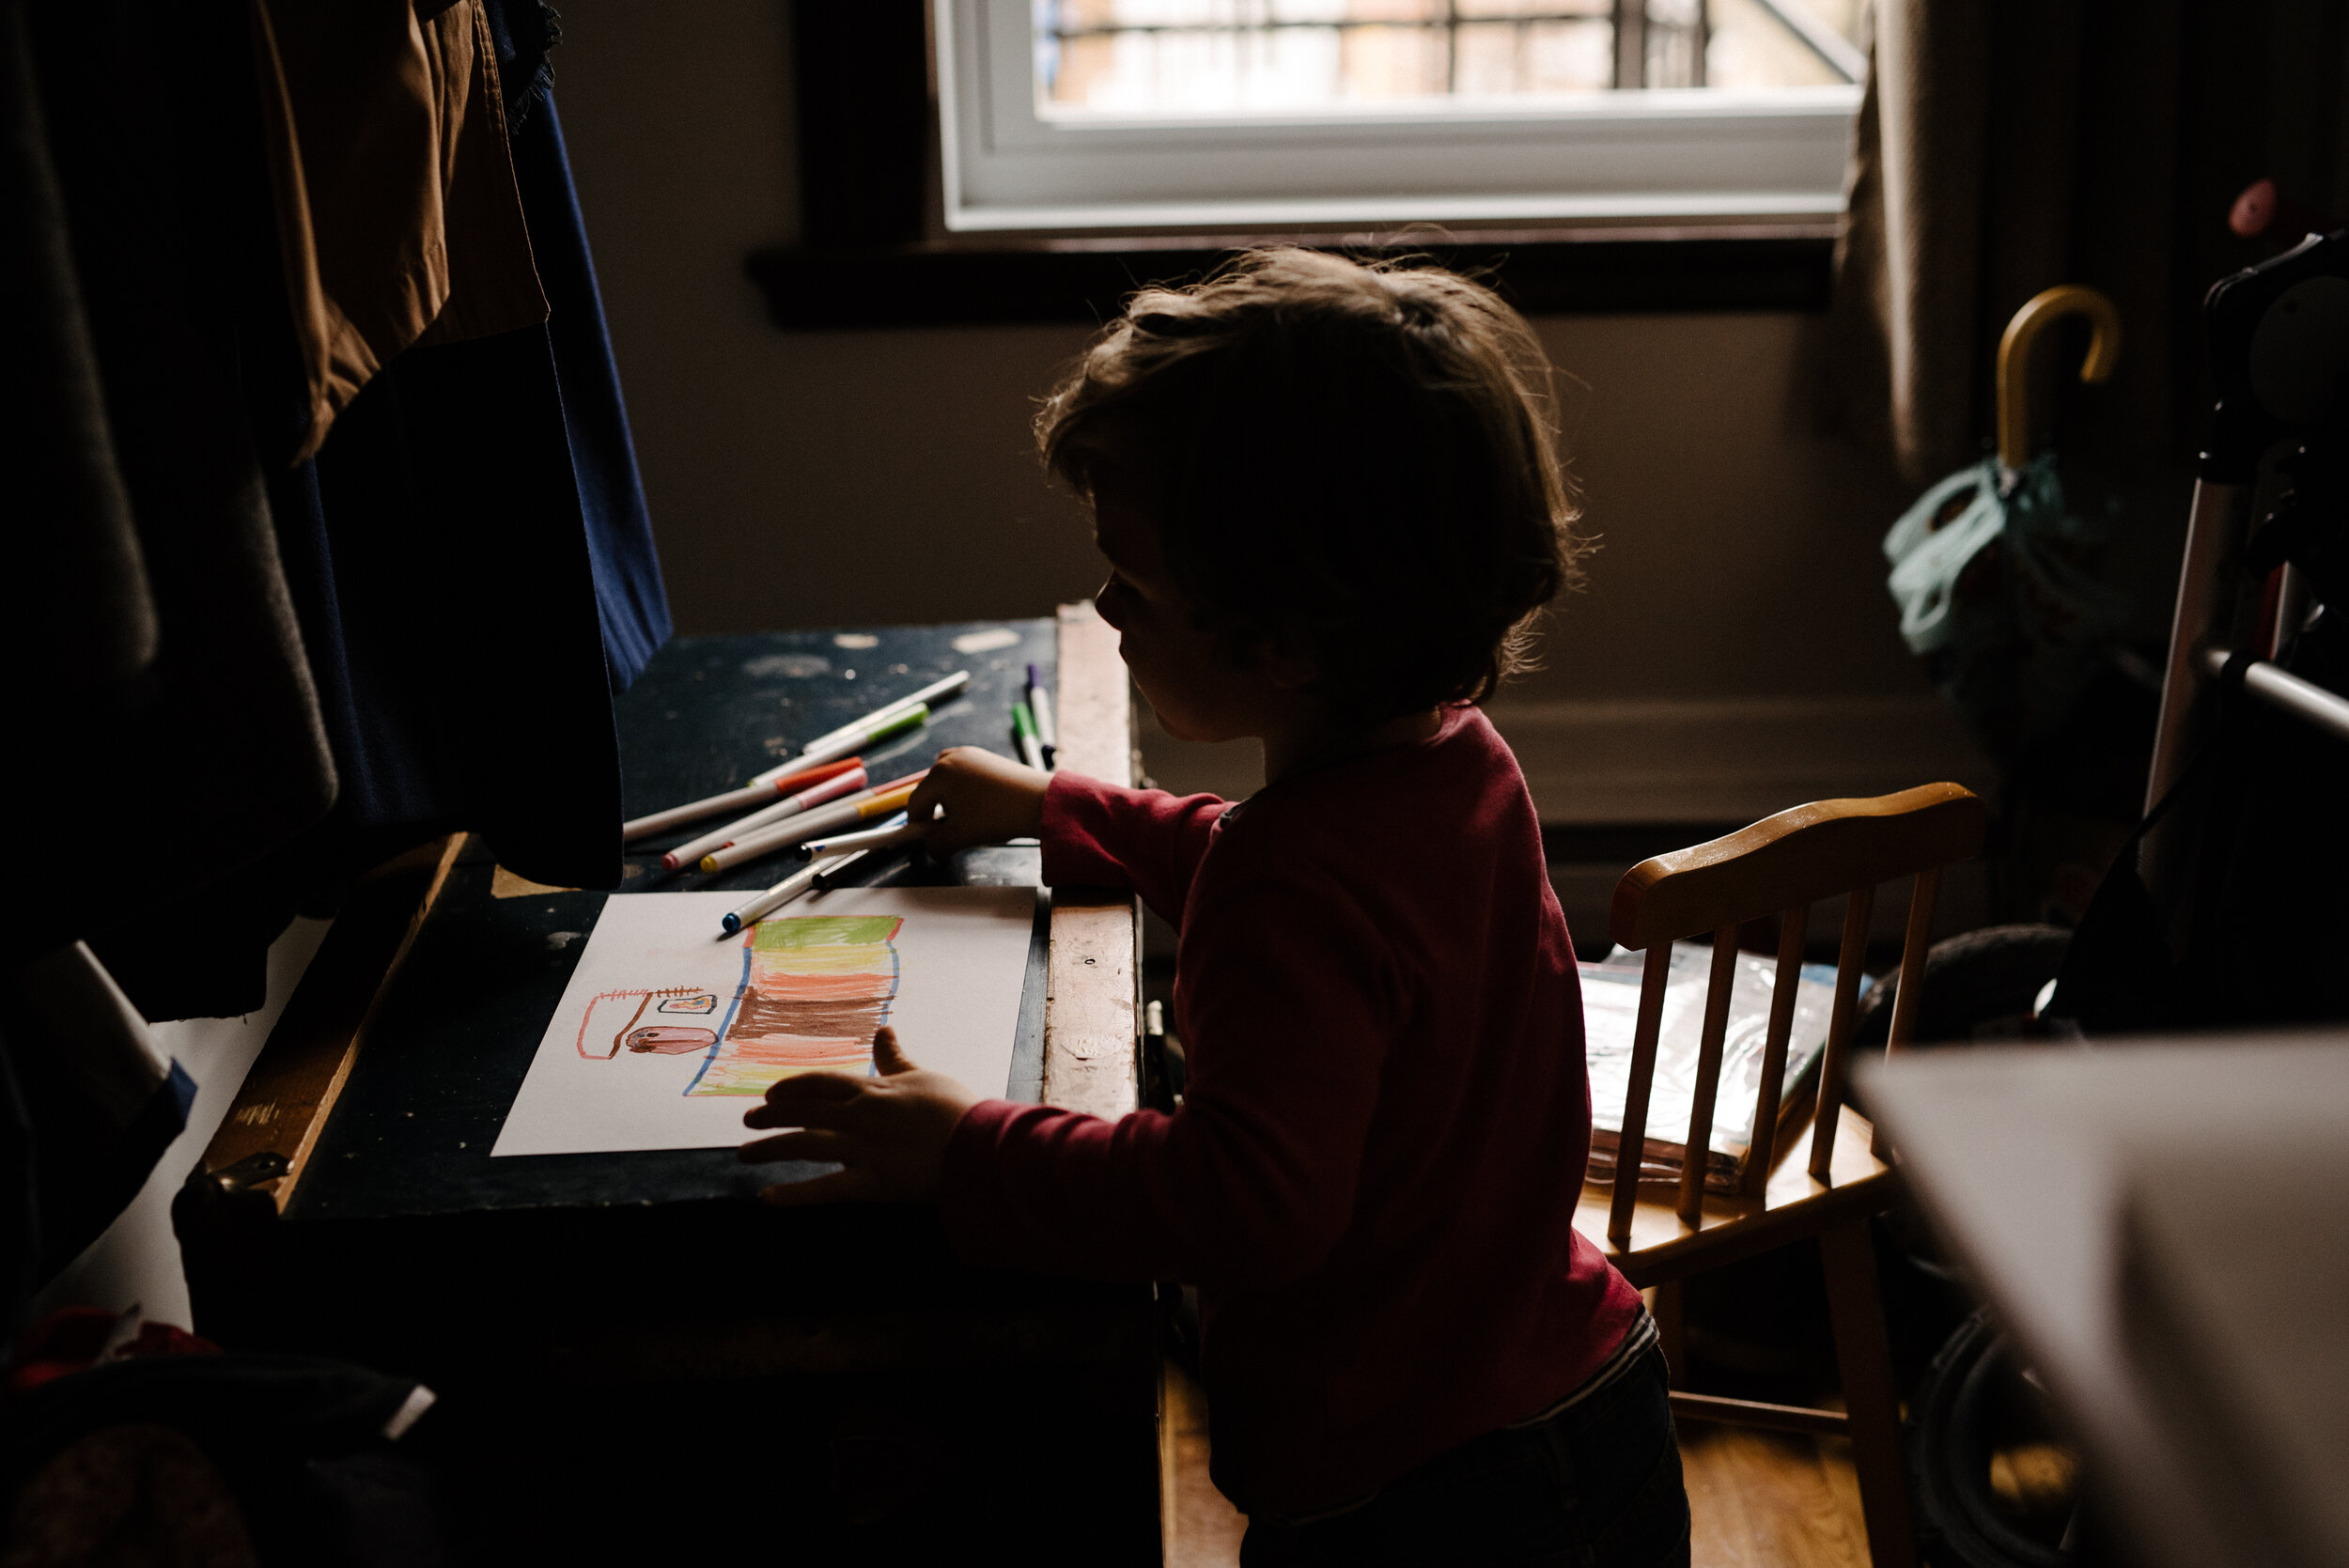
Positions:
(1115, 114)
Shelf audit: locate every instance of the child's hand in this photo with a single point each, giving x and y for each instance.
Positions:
(889, 1131)
(987, 799)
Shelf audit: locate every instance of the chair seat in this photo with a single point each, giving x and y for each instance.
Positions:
(1793, 1206)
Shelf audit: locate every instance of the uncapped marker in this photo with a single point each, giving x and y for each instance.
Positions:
(882, 837)
(828, 874)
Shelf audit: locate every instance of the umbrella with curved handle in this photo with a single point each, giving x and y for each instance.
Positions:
(1996, 576)
(2041, 311)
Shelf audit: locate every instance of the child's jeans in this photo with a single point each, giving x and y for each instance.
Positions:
(1597, 1486)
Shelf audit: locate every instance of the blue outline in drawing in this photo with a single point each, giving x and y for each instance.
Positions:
(896, 977)
(742, 989)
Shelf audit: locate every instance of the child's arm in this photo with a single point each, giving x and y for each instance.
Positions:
(1252, 1180)
(1095, 834)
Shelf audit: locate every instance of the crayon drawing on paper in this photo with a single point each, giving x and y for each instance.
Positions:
(814, 988)
(666, 1031)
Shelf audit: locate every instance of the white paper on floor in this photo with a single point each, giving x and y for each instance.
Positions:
(667, 1034)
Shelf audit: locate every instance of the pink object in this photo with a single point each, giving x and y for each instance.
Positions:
(1373, 1175)
(831, 789)
(2262, 211)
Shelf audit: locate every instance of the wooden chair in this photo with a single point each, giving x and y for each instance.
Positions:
(1783, 865)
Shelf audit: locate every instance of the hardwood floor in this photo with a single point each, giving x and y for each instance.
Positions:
(1200, 1528)
(1772, 1500)
(1759, 1499)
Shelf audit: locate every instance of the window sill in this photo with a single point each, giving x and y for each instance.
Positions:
(1551, 271)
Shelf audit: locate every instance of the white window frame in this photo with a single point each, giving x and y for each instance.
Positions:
(1633, 154)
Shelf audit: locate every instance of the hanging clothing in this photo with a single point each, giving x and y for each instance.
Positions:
(525, 33)
(191, 743)
(93, 613)
(496, 479)
(326, 524)
(272, 674)
(630, 595)
(445, 574)
(397, 215)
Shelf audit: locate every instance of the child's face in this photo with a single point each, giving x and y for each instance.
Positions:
(1197, 695)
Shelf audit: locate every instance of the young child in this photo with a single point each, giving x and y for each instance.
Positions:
(1330, 501)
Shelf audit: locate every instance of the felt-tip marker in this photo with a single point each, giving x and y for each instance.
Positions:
(1040, 709)
(829, 874)
(823, 877)
(934, 693)
(889, 798)
(884, 837)
(766, 903)
(1023, 730)
(749, 794)
(869, 732)
(845, 783)
(829, 745)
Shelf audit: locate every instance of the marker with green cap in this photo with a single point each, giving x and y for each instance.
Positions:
(841, 741)
(880, 727)
(1023, 729)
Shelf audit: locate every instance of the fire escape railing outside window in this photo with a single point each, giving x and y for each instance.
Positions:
(1655, 43)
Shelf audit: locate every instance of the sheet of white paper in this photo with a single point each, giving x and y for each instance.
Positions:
(666, 1033)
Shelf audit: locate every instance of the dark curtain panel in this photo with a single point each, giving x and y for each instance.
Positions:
(2008, 145)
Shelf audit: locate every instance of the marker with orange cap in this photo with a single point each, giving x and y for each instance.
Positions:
(890, 798)
(839, 786)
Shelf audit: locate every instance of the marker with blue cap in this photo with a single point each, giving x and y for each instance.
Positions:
(767, 903)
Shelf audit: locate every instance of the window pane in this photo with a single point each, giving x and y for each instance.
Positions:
(1757, 45)
(1195, 57)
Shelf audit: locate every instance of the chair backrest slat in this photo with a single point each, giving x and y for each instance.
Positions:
(1910, 994)
(1835, 1062)
(1631, 1148)
(1762, 1146)
(1707, 1088)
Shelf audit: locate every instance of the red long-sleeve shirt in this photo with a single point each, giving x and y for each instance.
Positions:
(1373, 1177)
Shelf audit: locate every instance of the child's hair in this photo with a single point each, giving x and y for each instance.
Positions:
(1364, 456)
